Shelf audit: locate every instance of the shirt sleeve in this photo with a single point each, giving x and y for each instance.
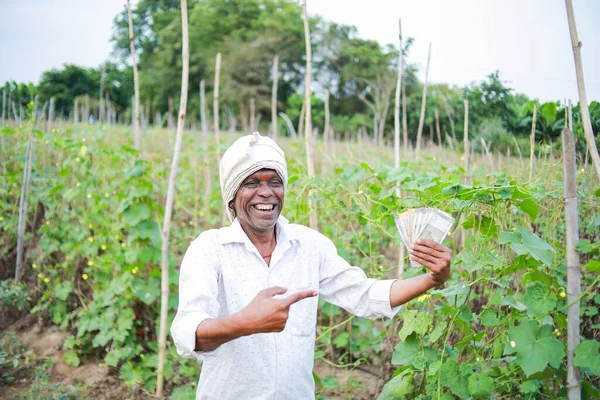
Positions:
(198, 295)
(348, 287)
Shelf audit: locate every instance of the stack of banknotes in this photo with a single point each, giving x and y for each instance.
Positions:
(423, 223)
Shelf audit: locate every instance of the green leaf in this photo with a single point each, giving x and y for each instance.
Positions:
(530, 207)
(136, 213)
(584, 246)
(419, 363)
(523, 241)
(488, 318)
(536, 346)
(593, 266)
(539, 299)
(468, 260)
(528, 387)
(587, 357)
(451, 377)
(71, 358)
(341, 340)
(401, 386)
(7, 131)
(406, 351)
(414, 321)
(480, 385)
(437, 332)
(63, 290)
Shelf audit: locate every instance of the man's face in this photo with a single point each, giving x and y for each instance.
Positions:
(259, 200)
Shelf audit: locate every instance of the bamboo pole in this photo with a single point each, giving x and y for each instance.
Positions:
(207, 174)
(274, 132)
(532, 143)
(326, 127)
(289, 124)
(404, 121)
(399, 88)
(437, 127)
(75, 112)
(423, 102)
(216, 107)
(488, 155)
(301, 120)
(23, 209)
(573, 271)
(137, 138)
(3, 105)
(101, 99)
(397, 105)
(310, 159)
(466, 141)
(583, 105)
(252, 114)
(164, 288)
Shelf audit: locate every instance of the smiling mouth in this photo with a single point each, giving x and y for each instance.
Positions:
(264, 207)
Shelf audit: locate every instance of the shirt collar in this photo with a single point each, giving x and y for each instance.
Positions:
(235, 234)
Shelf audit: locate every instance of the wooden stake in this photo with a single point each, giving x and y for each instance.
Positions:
(532, 143)
(207, 174)
(423, 101)
(216, 108)
(583, 106)
(137, 136)
(274, 132)
(164, 288)
(437, 127)
(466, 141)
(573, 271)
(252, 115)
(488, 155)
(404, 121)
(310, 158)
(23, 209)
(75, 112)
(399, 88)
(301, 120)
(289, 124)
(101, 99)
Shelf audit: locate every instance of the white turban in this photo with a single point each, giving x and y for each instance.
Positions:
(247, 155)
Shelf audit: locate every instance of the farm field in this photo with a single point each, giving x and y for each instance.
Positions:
(92, 277)
(109, 170)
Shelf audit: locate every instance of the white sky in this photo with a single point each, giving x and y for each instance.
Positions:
(527, 40)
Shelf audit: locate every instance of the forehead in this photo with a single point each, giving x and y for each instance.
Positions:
(263, 174)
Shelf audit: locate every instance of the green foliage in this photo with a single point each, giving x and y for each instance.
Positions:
(14, 294)
(536, 346)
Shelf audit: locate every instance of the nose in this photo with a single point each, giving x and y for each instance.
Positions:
(264, 190)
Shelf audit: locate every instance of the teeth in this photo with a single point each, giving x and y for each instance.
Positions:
(264, 207)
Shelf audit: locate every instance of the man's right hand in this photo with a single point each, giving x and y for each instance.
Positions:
(268, 314)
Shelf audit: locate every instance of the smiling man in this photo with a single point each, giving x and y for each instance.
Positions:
(248, 292)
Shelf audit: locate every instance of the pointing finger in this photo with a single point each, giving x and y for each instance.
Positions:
(296, 297)
(274, 291)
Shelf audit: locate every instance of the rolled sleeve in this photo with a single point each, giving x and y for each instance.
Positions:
(198, 292)
(183, 331)
(379, 299)
(349, 287)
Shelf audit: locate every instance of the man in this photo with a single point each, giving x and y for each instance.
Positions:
(248, 292)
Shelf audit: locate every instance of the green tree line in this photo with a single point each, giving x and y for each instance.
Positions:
(359, 74)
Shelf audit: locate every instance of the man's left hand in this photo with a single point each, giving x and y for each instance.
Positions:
(433, 256)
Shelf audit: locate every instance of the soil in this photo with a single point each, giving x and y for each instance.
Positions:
(42, 343)
(96, 381)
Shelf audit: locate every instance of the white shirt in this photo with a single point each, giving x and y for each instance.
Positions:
(222, 271)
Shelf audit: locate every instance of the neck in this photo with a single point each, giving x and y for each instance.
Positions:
(259, 238)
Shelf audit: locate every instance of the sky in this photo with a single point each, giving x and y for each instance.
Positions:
(526, 40)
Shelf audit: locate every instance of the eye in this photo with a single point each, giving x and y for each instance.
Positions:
(276, 183)
(251, 184)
